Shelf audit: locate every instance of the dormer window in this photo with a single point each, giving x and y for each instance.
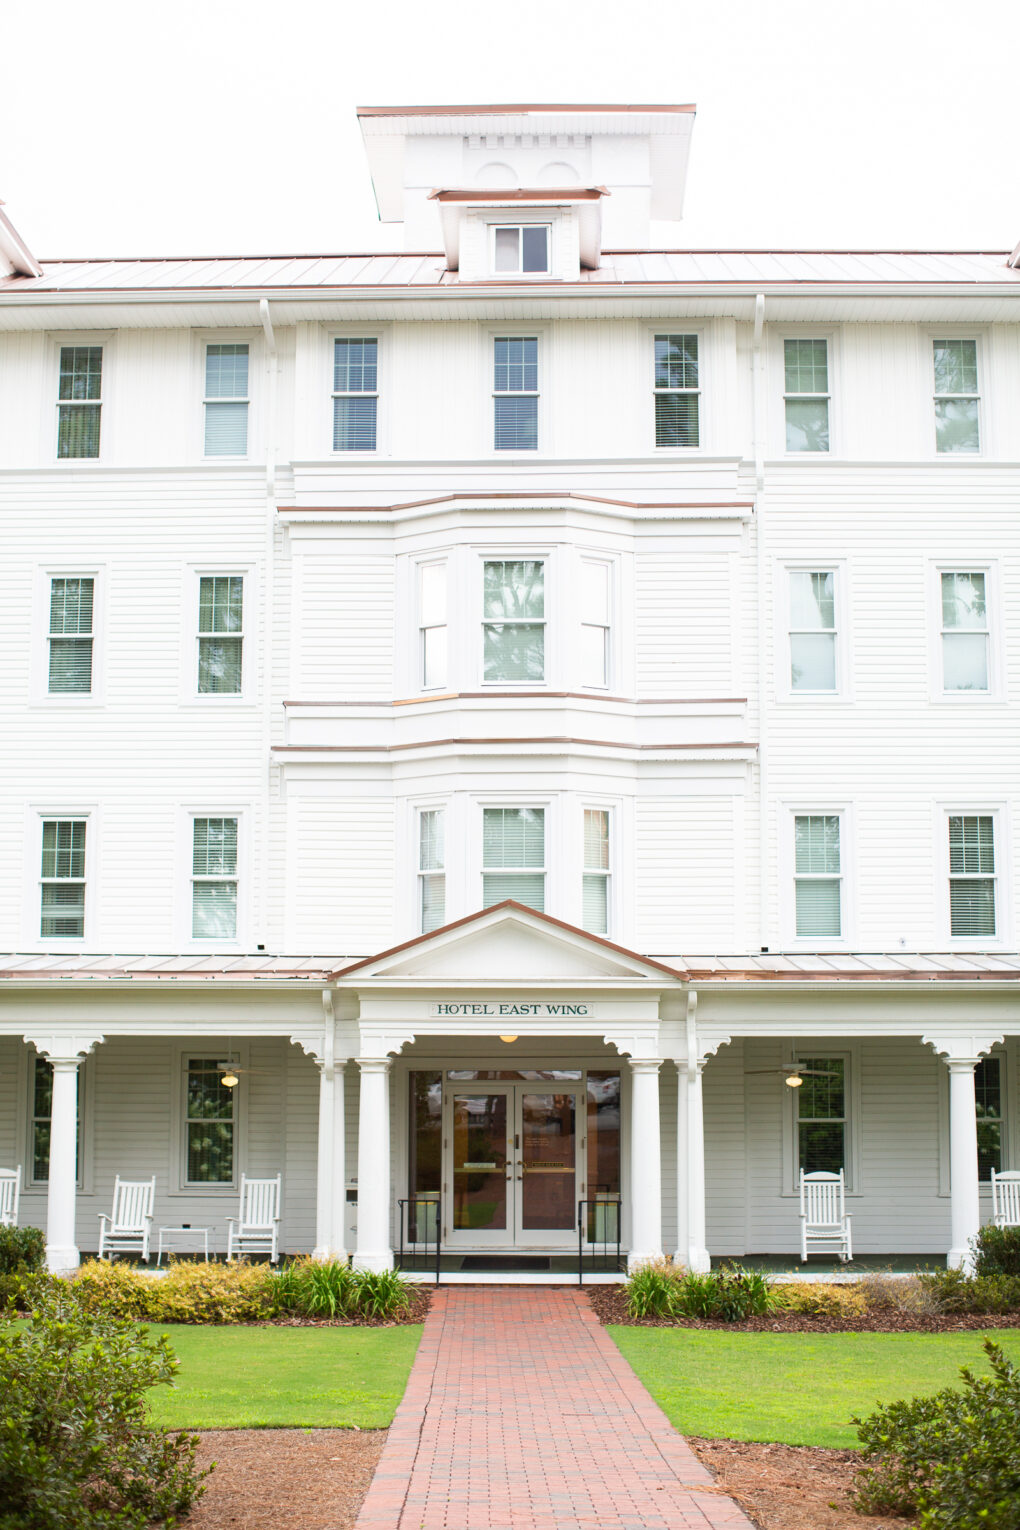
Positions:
(520, 248)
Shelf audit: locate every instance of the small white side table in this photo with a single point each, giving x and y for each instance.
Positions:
(189, 1234)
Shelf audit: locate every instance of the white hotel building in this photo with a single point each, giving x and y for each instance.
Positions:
(510, 705)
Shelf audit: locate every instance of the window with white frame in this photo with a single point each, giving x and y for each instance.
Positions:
(813, 658)
(806, 374)
(515, 393)
(432, 624)
(957, 400)
(972, 876)
(62, 878)
(988, 1097)
(520, 248)
(209, 1121)
(677, 391)
(220, 634)
(513, 856)
(965, 635)
(431, 869)
(595, 884)
(594, 623)
(513, 620)
(40, 1119)
(214, 879)
(355, 394)
(72, 600)
(226, 400)
(821, 1106)
(80, 400)
(818, 876)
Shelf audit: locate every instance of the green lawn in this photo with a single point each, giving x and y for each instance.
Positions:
(799, 1388)
(243, 1378)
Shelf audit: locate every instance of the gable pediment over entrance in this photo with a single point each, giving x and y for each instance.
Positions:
(506, 942)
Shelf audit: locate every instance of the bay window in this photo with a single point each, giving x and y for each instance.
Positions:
(513, 856)
(594, 623)
(431, 869)
(432, 628)
(595, 884)
(513, 620)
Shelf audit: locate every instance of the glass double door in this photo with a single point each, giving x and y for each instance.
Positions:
(514, 1164)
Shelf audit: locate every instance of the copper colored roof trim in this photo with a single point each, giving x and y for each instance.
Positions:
(523, 194)
(539, 494)
(502, 111)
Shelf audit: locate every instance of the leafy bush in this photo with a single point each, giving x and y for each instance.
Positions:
(662, 1289)
(820, 1299)
(76, 1452)
(331, 1289)
(651, 1289)
(953, 1291)
(997, 1251)
(21, 1250)
(953, 1458)
(189, 1292)
(883, 1292)
(380, 1294)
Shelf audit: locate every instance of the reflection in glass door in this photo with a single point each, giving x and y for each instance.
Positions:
(480, 1142)
(547, 1165)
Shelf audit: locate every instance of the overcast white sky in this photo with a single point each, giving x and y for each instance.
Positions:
(228, 126)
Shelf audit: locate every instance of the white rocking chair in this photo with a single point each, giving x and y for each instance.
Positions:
(129, 1228)
(823, 1217)
(256, 1228)
(10, 1195)
(1005, 1198)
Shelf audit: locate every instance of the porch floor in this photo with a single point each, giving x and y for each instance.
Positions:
(547, 1270)
(827, 1266)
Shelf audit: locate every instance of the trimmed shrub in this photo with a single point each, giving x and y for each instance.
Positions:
(818, 1299)
(886, 1293)
(997, 1251)
(76, 1451)
(22, 1250)
(953, 1458)
(662, 1289)
(952, 1291)
(119, 1290)
(189, 1292)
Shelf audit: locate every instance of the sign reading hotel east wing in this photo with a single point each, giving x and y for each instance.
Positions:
(499, 1010)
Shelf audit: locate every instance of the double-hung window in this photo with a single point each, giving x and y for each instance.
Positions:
(813, 630)
(677, 390)
(80, 400)
(988, 1099)
(965, 634)
(431, 869)
(972, 876)
(226, 400)
(806, 371)
(208, 1123)
(818, 876)
(220, 634)
(595, 885)
(432, 628)
(957, 401)
(821, 1115)
(513, 856)
(594, 623)
(513, 620)
(355, 395)
(515, 393)
(520, 249)
(70, 636)
(63, 878)
(214, 879)
(41, 1119)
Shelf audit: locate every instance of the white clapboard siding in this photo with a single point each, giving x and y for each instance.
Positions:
(341, 872)
(343, 601)
(684, 621)
(686, 862)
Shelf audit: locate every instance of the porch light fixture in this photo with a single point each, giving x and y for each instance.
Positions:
(229, 1079)
(794, 1080)
(508, 1038)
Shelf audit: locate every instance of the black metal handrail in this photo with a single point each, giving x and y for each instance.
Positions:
(422, 1215)
(599, 1226)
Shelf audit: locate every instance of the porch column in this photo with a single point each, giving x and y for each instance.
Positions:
(65, 1055)
(329, 1192)
(683, 1239)
(645, 1168)
(697, 1251)
(374, 1251)
(963, 1163)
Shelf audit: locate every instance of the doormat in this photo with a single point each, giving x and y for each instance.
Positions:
(504, 1262)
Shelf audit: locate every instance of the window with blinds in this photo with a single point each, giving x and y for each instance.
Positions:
(513, 620)
(813, 630)
(971, 875)
(432, 631)
(431, 869)
(80, 400)
(63, 878)
(515, 394)
(42, 1114)
(677, 391)
(594, 623)
(513, 856)
(818, 879)
(70, 636)
(595, 883)
(226, 400)
(806, 375)
(821, 1115)
(208, 1123)
(355, 395)
(988, 1098)
(957, 400)
(965, 634)
(220, 634)
(214, 879)
(520, 249)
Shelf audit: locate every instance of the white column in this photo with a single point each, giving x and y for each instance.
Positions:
(963, 1163)
(697, 1250)
(683, 1239)
(374, 1251)
(62, 1253)
(329, 1188)
(645, 1167)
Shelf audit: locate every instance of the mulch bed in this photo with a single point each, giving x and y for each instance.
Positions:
(610, 1306)
(417, 1312)
(285, 1479)
(790, 1487)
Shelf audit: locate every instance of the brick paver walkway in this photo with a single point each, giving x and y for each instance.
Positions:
(521, 1414)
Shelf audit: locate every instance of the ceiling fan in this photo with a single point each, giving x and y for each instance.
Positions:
(794, 1074)
(231, 1073)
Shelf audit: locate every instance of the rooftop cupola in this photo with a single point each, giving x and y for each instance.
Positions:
(527, 192)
